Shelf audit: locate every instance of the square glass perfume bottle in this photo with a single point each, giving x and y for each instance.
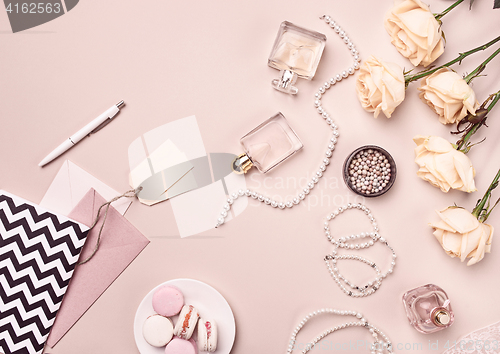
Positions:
(428, 308)
(296, 53)
(268, 145)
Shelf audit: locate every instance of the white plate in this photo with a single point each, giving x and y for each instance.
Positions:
(210, 304)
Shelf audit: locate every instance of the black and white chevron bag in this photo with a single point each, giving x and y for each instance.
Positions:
(38, 253)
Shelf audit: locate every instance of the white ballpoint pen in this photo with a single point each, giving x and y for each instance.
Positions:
(94, 126)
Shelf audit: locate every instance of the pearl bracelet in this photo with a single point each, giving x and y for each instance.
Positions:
(332, 259)
(378, 346)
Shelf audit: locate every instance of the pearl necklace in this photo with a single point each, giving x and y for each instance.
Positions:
(332, 259)
(378, 345)
(331, 145)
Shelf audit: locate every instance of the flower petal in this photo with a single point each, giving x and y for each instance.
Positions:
(438, 144)
(459, 219)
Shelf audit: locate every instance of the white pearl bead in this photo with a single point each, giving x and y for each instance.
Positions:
(326, 161)
(321, 89)
(350, 70)
(274, 204)
(326, 85)
(338, 77)
(223, 213)
(281, 205)
(333, 81)
(344, 74)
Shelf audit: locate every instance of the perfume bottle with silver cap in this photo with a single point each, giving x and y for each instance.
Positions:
(268, 145)
(296, 53)
(428, 308)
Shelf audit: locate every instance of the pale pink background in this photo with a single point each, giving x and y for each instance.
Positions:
(169, 60)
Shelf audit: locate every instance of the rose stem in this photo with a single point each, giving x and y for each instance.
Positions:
(410, 78)
(481, 67)
(478, 210)
(475, 127)
(455, 4)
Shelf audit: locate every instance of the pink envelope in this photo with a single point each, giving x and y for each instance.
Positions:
(121, 242)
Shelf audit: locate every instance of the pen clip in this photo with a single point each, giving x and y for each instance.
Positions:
(100, 126)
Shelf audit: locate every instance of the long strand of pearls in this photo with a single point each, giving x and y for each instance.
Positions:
(331, 144)
(379, 344)
(331, 260)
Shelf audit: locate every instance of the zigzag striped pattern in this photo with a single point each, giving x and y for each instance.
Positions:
(38, 254)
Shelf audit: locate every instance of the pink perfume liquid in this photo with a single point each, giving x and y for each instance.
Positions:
(296, 53)
(428, 308)
(271, 143)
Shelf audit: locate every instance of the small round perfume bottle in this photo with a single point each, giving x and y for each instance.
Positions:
(296, 53)
(267, 146)
(428, 308)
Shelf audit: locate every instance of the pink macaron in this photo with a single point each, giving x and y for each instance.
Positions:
(167, 300)
(181, 346)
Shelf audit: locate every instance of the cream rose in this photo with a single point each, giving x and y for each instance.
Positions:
(448, 95)
(415, 32)
(380, 86)
(443, 166)
(462, 235)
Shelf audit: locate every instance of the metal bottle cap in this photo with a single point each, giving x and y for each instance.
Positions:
(242, 164)
(285, 82)
(441, 317)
